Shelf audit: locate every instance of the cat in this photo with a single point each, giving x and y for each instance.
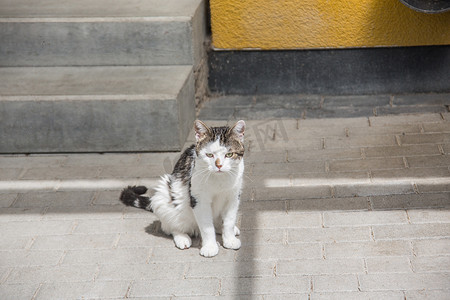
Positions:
(202, 194)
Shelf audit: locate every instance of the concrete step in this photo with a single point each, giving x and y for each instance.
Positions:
(101, 33)
(95, 109)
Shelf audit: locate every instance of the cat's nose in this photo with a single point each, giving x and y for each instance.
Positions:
(218, 164)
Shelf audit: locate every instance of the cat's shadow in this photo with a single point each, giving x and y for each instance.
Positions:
(155, 230)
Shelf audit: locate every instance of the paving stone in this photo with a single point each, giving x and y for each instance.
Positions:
(425, 138)
(429, 161)
(399, 129)
(360, 141)
(83, 290)
(99, 160)
(323, 154)
(431, 247)
(437, 186)
(410, 201)
(85, 212)
(251, 207)
(266, 157)
(185, 287)
(43, 274)
(330, 178)
(145, 238)
(400, 151)
(230, 269)
(283, 193)
(289, 101)
(338, 112)
(429, 216)
(6, 200)
(390, 295)
(262, 236)
(61, 173)
(261, 113)
(427, 294)
(412, 231)
(363, 218)
(436, 127)
(72, 242)
(335, 283)
(431, 264)
(421, 99)
(356, 100)
(14, 242)
(374, 188)
(320, 267)
(398, 110)
(257, 145)
(118, 171)
(280, 252)
(388, 264)
(112, 226)
(142, 271)
(412, 173)
(32, 228)
(14, 258)
(226, 113)
(11, 214)
(271, 285)
(368, 249)
(328, 235)
(297, 296)
(352, 203)
(32, 160)
(271, 220)
(10, 173)
(18, 291)
(404, 119)
(289, 168)
(366, 164)
(106, 257)
(380, 282)
(54, 199)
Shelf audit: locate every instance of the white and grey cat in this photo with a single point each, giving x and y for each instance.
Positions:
(203, 192)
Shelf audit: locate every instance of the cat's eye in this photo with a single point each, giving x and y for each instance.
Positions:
(230, 154)
(210, 155)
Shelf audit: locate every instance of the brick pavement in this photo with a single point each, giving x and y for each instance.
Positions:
(350, 208)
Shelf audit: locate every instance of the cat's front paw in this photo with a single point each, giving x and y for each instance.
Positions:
(182, 241)
(209, 250)
(232, 243)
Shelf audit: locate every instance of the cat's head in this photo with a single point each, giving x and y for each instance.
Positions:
(221, 148)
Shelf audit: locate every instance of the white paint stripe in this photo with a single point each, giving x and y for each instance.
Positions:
(116, 184)
(280, 182)
(81, 184)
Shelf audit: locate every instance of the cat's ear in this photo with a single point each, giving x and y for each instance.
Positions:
(201, 130)
(238, 130)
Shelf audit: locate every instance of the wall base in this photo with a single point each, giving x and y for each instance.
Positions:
(337, 71)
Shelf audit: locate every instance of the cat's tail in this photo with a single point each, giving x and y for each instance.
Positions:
(132, 196)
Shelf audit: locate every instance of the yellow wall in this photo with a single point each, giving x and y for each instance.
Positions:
(303, 24)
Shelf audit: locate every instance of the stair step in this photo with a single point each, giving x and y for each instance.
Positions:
(95, 109)
(101, 33)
